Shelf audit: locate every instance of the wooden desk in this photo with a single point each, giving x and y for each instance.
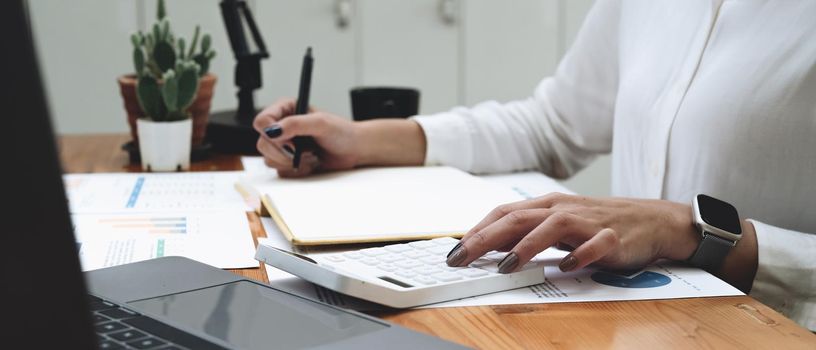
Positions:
(715, 323)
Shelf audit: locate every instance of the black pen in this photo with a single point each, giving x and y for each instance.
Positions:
(303, 143)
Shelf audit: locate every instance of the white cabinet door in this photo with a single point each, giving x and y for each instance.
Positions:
(288, 27)
(411, 43)
(508, 48)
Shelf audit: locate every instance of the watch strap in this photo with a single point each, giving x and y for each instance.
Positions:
(711, 252)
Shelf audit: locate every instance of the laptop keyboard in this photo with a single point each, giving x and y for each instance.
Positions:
(120, 328)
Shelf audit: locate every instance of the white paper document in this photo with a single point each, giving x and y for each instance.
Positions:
(658, 281)
(144, 192)
(528, 184)
(256, 165)
(219, 238)
(380, 204)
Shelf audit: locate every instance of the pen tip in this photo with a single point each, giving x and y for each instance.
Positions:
(309, 50)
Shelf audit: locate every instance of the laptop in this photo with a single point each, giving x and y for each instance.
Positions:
(166, 303)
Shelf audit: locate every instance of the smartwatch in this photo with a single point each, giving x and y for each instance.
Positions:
(719, 225)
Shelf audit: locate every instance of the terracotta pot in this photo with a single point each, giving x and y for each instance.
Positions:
(200, 109)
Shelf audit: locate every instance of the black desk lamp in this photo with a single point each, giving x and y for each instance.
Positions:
(231, 131)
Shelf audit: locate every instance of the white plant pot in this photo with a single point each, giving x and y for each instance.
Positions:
(165, 146)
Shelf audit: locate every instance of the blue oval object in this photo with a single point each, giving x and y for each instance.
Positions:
(644, 279)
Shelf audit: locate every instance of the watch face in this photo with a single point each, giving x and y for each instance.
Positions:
(719, 214)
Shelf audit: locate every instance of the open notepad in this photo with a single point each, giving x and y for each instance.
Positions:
(380, 204)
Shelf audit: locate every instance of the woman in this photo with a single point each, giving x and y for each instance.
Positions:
(690, 97)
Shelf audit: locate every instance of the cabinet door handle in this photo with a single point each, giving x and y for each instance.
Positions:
(448, 11)
(342, 12)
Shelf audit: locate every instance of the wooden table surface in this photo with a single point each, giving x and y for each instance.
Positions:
(711, 323)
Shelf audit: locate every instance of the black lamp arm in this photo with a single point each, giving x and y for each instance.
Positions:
(248, 66)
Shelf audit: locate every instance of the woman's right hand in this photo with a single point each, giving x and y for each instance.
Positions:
(336, 138)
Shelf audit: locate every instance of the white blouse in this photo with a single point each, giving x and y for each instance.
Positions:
(715, 97)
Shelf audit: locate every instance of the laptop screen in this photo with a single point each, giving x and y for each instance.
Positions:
(44, 302)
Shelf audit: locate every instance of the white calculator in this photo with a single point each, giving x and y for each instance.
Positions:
(403, 275)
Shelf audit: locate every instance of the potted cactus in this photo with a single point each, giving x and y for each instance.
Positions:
(171, 87)
(166, 130)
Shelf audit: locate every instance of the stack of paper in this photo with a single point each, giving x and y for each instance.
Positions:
(381, 204)
(122, 218)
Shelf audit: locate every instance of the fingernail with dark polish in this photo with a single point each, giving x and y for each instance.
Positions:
(509, 263)
(289, 149)
(454, 248)
(273, 131)
(568, 263)
(457, 256)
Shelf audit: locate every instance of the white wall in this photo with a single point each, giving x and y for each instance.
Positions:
(84, 46)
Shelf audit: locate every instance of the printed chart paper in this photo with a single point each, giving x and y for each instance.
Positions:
(144, 192)
(221, 239)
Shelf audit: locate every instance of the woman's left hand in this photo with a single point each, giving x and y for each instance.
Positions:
(617, 233)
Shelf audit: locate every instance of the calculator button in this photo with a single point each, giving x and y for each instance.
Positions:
(425, 280)
(408, 264)
(445, 267)
(406, 273)
(494, 255)
(482, 262)
(414, 254)
(447, 276)
(433, 259)
(373, 251)
(443, 250)
(353, 255)
(389, 258)
(370, 261)
(397, 248)
(387, 267)
(335, 258)
(422, 244)
(427, 270)
(470, 273)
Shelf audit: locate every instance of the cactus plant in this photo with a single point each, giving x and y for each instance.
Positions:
(167, 75)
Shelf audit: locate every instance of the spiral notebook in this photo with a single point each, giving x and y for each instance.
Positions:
(380, 204)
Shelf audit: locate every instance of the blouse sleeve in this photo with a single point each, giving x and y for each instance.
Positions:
(558, 130)
(786, 272)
